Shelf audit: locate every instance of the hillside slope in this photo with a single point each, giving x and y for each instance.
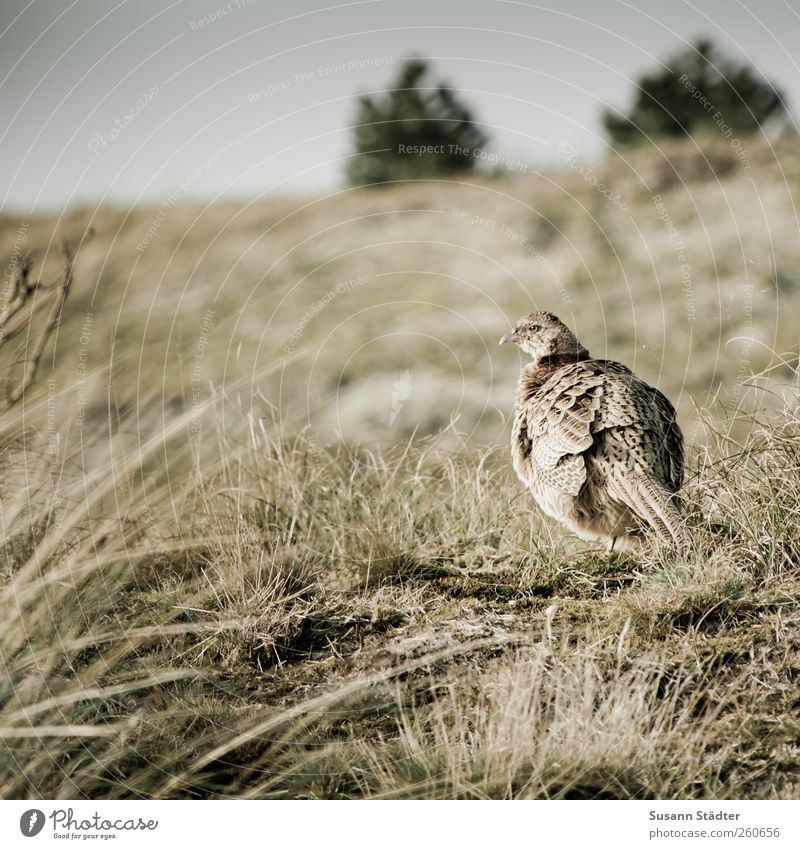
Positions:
(688, 274)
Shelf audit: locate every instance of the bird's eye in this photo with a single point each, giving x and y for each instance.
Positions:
(535, 328)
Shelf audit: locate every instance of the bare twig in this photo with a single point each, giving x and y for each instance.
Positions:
(21, 289)
(61, 290)
(20, 296)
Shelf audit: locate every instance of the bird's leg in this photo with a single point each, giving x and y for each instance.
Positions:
(612, 543)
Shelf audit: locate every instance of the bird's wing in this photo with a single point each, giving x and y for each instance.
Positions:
(645, 423)
(559, 421)
(565, 417)
(672, 444)
(642, 446)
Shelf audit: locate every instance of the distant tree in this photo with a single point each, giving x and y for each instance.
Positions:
(702, 90)
(414, 130)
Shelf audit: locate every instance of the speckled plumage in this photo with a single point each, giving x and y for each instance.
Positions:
(599, 449)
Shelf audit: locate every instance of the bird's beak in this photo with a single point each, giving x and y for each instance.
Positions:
(509, 337)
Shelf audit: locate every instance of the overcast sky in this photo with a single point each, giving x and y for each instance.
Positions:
(134, 101)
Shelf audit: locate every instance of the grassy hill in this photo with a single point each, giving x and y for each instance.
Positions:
(261, 534)
(694, 285)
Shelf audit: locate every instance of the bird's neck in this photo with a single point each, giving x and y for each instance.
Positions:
(541, 369)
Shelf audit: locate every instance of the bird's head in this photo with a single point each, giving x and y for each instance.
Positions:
(541, 334)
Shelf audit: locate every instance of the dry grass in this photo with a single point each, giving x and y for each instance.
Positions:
(562, 724)
(378, 639)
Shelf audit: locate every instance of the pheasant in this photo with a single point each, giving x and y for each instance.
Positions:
(599, 449)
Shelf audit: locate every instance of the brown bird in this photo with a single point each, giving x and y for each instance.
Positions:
(599, 448)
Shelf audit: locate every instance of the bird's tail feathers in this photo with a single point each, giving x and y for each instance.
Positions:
(655, 506)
